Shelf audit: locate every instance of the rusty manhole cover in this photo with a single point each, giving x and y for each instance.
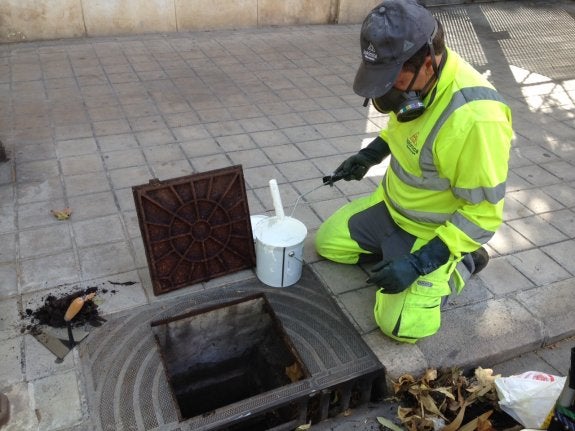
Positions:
(195, 228)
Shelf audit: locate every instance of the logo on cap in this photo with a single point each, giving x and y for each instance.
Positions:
(369, 54)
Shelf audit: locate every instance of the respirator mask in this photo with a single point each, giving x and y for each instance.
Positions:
(408, 105)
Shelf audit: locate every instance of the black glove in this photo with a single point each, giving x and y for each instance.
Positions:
(394, 276)
(356, 166)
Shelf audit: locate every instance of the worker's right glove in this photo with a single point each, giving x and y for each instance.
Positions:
(394, 276)
(356, 166)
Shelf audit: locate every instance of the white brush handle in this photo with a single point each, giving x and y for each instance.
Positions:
(277, 200)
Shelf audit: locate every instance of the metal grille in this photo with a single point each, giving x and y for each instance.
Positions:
(128, 385)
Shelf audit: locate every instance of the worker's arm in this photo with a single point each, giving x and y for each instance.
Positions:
(478, 177)
(356, 166)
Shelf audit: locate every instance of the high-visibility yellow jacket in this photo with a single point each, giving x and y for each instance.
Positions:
(448, 168)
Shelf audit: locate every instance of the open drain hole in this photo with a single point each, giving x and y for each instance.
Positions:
(226, 353)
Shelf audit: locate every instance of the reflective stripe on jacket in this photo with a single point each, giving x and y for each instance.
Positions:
(448, 167)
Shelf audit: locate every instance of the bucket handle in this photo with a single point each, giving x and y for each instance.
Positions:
(292, 254)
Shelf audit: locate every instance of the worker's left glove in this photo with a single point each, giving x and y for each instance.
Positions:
(394, 276)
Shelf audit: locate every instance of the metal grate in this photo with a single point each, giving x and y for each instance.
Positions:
(195, 228)
(127, 383)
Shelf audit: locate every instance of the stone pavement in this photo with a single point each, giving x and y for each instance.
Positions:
(85, 120)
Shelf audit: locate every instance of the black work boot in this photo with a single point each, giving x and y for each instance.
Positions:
(480, 259)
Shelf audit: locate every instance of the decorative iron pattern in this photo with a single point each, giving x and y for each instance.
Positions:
(195, 228)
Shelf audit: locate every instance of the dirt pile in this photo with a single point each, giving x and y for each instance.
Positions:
(54, 308)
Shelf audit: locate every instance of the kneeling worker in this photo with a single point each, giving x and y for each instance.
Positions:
(449, 136)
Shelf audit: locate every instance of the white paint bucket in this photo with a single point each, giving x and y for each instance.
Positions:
(279, 250)
(254, 220)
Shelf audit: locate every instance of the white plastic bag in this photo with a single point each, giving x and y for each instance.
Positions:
(529, 397)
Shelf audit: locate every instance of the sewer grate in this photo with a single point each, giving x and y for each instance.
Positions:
(127, 387)
(195, 227)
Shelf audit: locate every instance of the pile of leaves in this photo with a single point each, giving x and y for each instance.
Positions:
(448, 400)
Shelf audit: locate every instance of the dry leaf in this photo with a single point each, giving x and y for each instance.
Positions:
(294, 372)
(430, 374)
(446, 392)
(303, 427)
(388, 424)
(63, 214)
(456, 423)
(481, 423)
(429, 405)
(485, 376)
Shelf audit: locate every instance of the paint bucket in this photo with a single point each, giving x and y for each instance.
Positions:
(279, 250)
(254, 220)
(279, 245)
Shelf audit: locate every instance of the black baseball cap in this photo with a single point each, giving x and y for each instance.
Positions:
(391, 33)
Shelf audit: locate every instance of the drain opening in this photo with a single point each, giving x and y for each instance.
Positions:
(227, 353)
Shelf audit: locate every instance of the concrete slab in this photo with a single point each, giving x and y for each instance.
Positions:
(482, 334)
(57, 401)
(551, 304)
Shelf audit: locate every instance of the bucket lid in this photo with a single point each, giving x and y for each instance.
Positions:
(284, 232)
(254, 220)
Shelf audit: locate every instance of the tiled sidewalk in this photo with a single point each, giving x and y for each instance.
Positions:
(85, 120)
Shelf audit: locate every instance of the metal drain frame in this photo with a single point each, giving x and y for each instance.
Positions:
(195, 228)
(126, 384)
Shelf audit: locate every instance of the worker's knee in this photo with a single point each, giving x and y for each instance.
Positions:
(332, 241)
(407, 316)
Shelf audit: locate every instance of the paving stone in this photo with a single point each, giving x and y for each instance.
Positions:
(536, 200)
(551, 305)
(523, 363)
(76, 147)
(41, 362)
(129, 177)
(107, 259)
(98, 231)
(8, 249)
(39, 170)
(92, 205)
(22, 414)
(208, 163)
(39, 214)
(45, 240)
(537, 230)
(9, 318)
(563, 193)
(168, 170)
(558, 355)
(340, 278)
(482, 334)
(8, 280)
(57, 401)
(538, 267)
(563, 220)
(501, 277)
(536, 175)
(46, 271)
(86, 183)
(37, 191)
(562, 253)
(506, 241)
(398, 358)
(11, 359)
(359, 306)
(475, 290)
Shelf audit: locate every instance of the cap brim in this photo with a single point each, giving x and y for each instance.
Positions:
(374, 80)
